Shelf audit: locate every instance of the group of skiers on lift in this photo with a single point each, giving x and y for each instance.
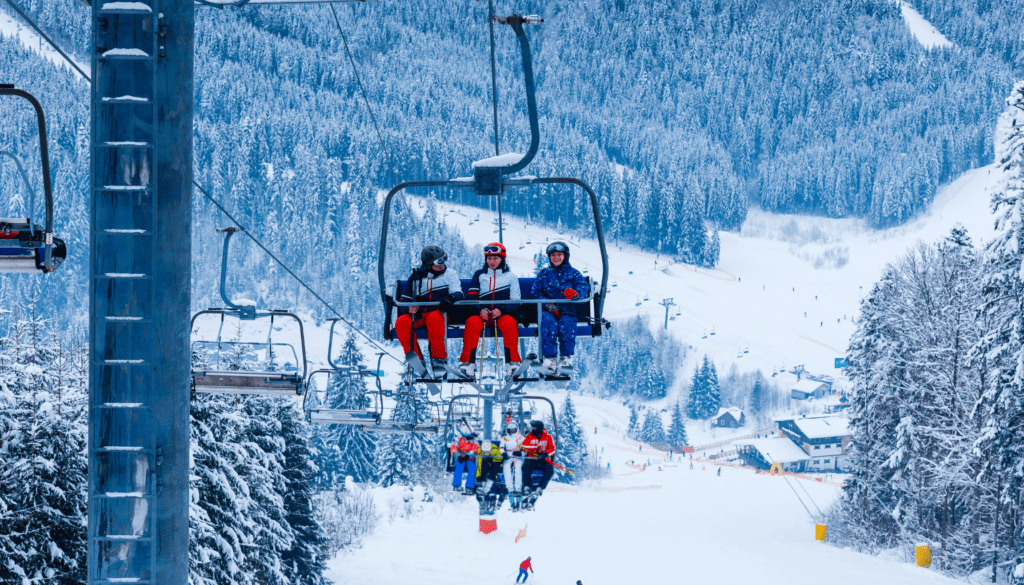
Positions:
(435, 281)
(516, 456)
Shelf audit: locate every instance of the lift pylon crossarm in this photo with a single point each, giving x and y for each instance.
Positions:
(22, 249)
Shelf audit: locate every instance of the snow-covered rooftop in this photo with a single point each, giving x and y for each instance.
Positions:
(807, 385)
(735, 412)
(821, 428)
(777, 450)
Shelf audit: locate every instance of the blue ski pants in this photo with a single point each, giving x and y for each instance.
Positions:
(469, 468)
(522, 575)
(562, 328)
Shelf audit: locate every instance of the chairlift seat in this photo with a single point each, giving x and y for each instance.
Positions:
(239, 382)
(527, 316)
(23, 252)
(334, 416)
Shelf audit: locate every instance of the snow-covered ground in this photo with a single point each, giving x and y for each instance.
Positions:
(766, 297)
(923, 31)
(676, 525)
(11, 26)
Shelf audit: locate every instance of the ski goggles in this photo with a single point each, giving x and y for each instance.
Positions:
(493, 250)
(557, 247)
(440, 261)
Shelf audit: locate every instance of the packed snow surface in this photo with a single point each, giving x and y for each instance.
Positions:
(675, 525)
(923, 31)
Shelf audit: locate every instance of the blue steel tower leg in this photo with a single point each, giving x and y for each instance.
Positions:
(140, 256)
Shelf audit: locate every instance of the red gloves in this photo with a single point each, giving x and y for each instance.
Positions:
(570, 294)
(552, 309)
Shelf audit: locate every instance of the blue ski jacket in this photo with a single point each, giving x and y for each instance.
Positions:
(552, 282)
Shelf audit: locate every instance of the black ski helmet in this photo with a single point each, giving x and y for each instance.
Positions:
(537, 424)
(431, 255)
(558, 247)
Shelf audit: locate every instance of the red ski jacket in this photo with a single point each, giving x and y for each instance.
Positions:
(526, 565)
(545, 444)
(465, 446)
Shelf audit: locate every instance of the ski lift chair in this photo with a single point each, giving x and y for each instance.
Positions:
(24, 246)
(260, 373)
(489, 180)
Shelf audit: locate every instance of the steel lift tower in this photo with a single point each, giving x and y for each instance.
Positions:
(140, 256)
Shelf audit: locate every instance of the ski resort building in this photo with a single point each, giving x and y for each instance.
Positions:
(732, 418)
(826, 440)
(761, 453)
(808, 388)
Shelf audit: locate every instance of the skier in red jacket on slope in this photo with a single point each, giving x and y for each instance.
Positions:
(523, 566)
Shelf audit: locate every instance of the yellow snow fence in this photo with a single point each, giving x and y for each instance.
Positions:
(819, 532)
(924, 555)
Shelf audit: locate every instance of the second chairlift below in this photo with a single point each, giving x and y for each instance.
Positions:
(555, 306)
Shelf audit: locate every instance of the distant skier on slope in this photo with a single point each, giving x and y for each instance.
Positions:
(523, 566)
(558, 322)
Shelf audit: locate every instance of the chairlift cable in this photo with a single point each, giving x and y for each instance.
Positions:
(225, 211)
(366, 100)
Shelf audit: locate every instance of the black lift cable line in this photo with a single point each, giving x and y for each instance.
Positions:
(245, 231)
(366, 100)
(231, 217)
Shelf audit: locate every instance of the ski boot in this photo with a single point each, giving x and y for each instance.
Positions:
(437, 365)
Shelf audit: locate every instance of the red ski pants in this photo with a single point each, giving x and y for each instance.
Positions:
(509, 334)
(434, 321)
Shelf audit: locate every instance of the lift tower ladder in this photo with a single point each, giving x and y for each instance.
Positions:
(140, 255)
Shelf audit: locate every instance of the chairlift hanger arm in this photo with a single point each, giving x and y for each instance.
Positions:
(9, 89)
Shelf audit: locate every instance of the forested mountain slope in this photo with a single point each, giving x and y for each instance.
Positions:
(830, 108)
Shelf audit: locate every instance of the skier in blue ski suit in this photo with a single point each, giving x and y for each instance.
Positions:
(558, 321)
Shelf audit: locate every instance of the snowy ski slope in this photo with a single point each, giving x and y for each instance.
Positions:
(923, 31)
(676, 525)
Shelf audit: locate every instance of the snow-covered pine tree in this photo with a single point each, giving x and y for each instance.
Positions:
(653, 431)
(44, 467)
(693, 233)
(756, 403)
(539, 262)
(705, 394)
(714, 250)
(343, 450)
(1001, 351)
(677, 428)
(391, 460)
(633, 431)
(220, 507)
(305, 562)
(263, 472)
(571, 452)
